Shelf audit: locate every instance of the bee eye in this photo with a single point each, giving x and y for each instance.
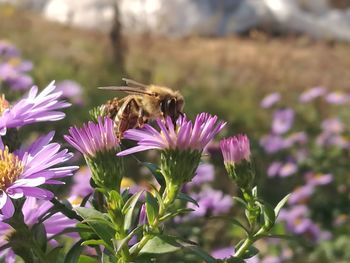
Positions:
(163, 107)
(171, 107)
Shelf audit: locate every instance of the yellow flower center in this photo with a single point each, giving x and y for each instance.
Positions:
(4, 104)
(10, 168)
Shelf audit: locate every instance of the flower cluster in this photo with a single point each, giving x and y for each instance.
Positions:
(310, 154)
(13, 69)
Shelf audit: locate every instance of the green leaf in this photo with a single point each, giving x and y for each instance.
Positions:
(86, 259)
(39, 233)
(74, 253)
(234, 260)
(269, 215)
(93, 242)
(281, 204)
(154, 169)
(115, 200)
(250, 252)
(161, 244)
(121, 243)
(175, 213)
(202, 254)
(81, 228)
(53, 254)
(151, 207)
(128, 209)
(99, 223)
(187, 198)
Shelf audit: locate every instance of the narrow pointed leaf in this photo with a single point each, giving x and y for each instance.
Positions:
(281, 204)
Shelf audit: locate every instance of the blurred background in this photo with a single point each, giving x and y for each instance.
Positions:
(277, 70)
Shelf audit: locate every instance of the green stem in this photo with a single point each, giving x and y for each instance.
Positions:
(169, 197)
(245, 246)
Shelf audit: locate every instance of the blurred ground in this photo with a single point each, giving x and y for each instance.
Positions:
(225, 76)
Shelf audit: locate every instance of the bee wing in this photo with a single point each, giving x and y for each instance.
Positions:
(127, 89)
(131, 82)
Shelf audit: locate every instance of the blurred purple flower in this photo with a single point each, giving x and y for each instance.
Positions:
(329, 139)
(14, 77)
(333, 125)
(187, 135)
(211, 202)
(312, 94)
(272, 143)
(71, 90)
(282, 120)
(227, 252)
(204, 173)
(315, 179)
(93, 137)
(7, 50)
(337, 98)
(81, 183)
(143, 216)
(235, 149)
(270, 100)
(288, 168)
(33, 108)
(222, 253)
(274, 169)
(296, 137)
(271, 259)
(23, 171)
(33, 210)
(300, 194)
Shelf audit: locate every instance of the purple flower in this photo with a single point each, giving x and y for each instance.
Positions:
(227, 252)
(282, 121)
(143, 215)
(330, 139)
(23, 171)
(271, 259)
(288, 169)
(223, 253)
(272, 143)
(235, 149)
(8, 50)
(274, 169)
(20, 82)
(93, 137)
(211, 202)
(186, 136)
(318, 179)
(312, 94)
(270, 100)
(81, 183)
(204, 173)
(333, 125)
(296, 137)
(34, 108)
(33, 209)
(71, 90)
(301, 194)
(337, 98)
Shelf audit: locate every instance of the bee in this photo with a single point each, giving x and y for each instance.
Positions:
(144, 103)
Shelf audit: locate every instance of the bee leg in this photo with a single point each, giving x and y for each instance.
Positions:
(141, 119)
(127, 118)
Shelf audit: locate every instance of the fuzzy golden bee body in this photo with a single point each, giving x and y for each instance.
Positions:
(144, 103)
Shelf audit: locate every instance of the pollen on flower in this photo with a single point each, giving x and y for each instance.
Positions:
(10, 168)
(4, 104)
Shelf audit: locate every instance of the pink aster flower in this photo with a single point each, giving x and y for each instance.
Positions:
(36, 107)
(337, 98)
(311, 94)
(186, 136)
(33, 209)
(235, 149)
(282, 120)
(24, 171)
(270, 100)
(93, 137)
